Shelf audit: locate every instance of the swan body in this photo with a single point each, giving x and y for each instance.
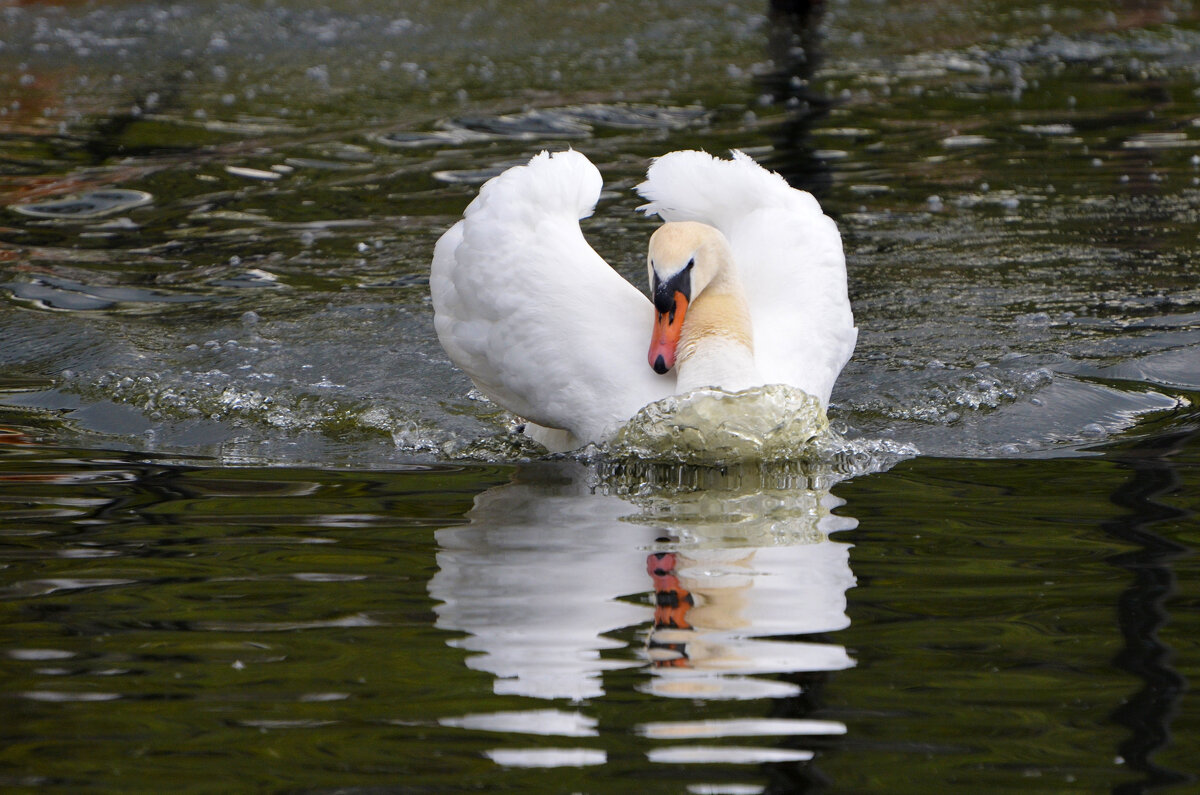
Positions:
(747, 278)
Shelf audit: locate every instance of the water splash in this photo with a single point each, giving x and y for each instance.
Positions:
(712, 426)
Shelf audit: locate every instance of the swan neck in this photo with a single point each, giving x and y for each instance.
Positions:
(716, 347)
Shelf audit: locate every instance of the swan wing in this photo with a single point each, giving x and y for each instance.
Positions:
(789, 257)
(542, 325)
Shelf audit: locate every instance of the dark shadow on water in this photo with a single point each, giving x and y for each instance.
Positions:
(1141, 608)
(116, 135)
(806, 705)
(792, 44)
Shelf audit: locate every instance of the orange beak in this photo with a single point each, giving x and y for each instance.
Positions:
(667, 327)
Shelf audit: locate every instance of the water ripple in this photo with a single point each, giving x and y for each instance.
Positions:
(739, 727)
(31, 588)
(725, 755)
(535, 721)
(578, 121)
(547, 757)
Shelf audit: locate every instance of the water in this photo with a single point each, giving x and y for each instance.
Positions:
(989, 625)
(258, 532)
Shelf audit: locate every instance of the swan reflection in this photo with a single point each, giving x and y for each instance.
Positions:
(536, 579)
(551, 566)
(712, 606)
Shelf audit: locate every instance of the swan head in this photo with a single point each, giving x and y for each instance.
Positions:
(684, 258)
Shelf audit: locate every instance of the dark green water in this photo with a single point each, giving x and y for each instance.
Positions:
(257, 534)
(1021, 625)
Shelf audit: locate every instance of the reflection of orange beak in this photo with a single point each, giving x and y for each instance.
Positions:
(667, 327)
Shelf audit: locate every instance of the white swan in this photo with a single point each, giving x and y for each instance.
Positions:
(748, 281)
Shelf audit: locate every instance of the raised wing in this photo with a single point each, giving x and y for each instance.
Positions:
(523, 305)
(789, 256)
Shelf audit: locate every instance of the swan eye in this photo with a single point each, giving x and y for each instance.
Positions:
(691, 262)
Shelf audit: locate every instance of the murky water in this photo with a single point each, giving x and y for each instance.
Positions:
(258, 532)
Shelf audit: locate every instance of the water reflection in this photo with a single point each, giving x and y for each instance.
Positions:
(1141, 610)
(793, 45)
(715, 604)
(555, 572)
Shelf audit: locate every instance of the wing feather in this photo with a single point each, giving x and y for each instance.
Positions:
(524, 306)
(789, 257)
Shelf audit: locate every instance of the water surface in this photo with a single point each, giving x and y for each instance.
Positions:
(258, 532)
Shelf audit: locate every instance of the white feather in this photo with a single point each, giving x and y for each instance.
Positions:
(541, 324)
(546, 329)
(789, 257)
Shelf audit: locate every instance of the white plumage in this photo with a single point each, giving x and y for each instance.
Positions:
(545, 328)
